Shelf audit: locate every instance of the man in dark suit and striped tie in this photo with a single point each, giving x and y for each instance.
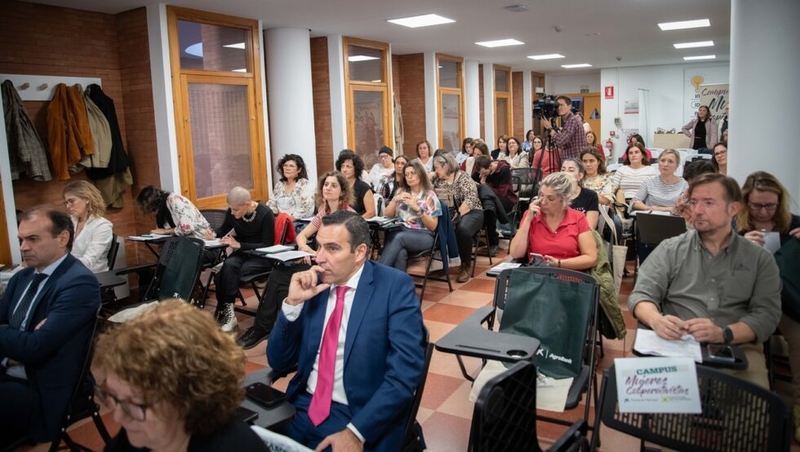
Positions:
(46, 319)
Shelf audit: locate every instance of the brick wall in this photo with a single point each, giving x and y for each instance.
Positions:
(517, 106)
(480, 104)
(322, 104)
(411, 72)
(54, 41)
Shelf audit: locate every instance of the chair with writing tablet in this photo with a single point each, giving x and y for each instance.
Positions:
(655, 228)
(736, 415)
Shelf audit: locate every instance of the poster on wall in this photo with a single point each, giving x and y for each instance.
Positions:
(632, 107)
(694, 78)
(716, 97)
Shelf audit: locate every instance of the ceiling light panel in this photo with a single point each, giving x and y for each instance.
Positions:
(682, 25)
(425, 20)
(500, 43)
(575, 66)
(549, 56)
(699, 57)
(693, 45)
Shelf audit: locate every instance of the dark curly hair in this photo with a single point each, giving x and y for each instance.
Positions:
(302, 173)
(176, 354)
(151, 198)
(346, 155)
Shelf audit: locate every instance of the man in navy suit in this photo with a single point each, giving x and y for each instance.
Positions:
(364, 383)
(46, 319)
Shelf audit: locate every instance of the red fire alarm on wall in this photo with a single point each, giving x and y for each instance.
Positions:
(609, 92)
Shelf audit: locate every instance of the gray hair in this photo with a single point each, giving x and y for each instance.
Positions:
(238, 196)
(448, 162)
(564, 184)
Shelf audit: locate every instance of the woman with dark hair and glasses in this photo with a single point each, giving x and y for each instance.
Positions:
(765, 210)
(418, 208)
(293, 193)
(720, 159)
(173, 380)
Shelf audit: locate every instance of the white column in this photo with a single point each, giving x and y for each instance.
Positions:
(338, 106)
(488, 105)
(291, 101)
(472, 101)
(527, 103)
(431, 100)
(764, 94)
(163, 105)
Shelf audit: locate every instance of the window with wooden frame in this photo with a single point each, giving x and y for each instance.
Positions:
(216, 77)
(367, 82)
(450, 84)
(502, 101)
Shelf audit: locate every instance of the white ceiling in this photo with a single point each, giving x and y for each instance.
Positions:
(604, 33)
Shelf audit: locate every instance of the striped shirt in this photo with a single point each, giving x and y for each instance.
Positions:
(630, 179)
(654, 192)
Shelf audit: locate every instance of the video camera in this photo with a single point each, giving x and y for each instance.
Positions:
(545, 107)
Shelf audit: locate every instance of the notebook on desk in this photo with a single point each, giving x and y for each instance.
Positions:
(655, 228)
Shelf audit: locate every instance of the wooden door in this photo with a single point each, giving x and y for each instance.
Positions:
(591, 112)
(5, 246)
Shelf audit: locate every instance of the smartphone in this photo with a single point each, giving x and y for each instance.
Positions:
(245, 415)
(721, 353)
(264, 395)
(537, 260)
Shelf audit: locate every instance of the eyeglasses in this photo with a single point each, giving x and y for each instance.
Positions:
(769, 207)
(132, 410)
(720, 153)
(69, 202)
(410, 173)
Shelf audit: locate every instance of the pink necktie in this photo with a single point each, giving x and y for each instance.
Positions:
(320, 406)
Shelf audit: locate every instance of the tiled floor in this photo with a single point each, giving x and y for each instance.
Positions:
(445, 412)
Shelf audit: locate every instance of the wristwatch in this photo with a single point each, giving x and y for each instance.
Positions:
(727, 335)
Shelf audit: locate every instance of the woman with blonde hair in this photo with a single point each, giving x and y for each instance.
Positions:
(553, 230)
(766, 209)
(173, 380)
(93, 232)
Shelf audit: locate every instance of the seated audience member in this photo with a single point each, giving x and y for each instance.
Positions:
(466, 150)
(175, 215)
(636, 138)
(93, 232)
(502, 148)
(495, 174)
(253, 225)
(591, 141)
(465, 206)
(515, 157)
(597, 177)
(418, 209)
(382, 169)
(425, 155)
(333, 195)
(173, 381)
(629, 177)
(293, 193)
(585, 201)
(527, 145)
(349, 396)
(547, 160)
(352, 167)
(391, 183)
(766, 209)
(660, 193)
(478, 148)
(720, 159)
(47, 315)
(701, 130)
(692, 170)
(551, 229)
(711, 283)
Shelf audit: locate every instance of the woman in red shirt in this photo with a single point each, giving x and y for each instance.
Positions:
(552, 229)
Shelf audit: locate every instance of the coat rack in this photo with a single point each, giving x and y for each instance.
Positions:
(39, 88)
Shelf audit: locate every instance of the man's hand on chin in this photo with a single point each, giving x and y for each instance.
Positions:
(344, 441)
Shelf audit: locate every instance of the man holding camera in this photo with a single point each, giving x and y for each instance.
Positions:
(569, 138)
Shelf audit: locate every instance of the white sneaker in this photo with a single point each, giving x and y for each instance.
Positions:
(227, 318)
